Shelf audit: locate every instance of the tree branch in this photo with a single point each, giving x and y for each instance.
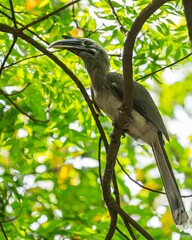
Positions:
(32, 32)
(22, 90)
(49, 15)
(13, 13)
(163, 68)
(122, 28)
(22, 60)
(7, 55)
(128, 53)
(20, 110)
(127, 218)
(125, 110)
(14, 40)
(3, 231)
(188, 14)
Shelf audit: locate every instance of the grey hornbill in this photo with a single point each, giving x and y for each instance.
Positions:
(146, 123)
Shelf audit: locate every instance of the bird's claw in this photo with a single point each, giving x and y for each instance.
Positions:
(123, 134)
(115, 125)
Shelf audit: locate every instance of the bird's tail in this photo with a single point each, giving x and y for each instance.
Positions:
(172, 191)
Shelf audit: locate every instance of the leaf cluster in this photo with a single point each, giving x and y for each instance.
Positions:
(49, 181)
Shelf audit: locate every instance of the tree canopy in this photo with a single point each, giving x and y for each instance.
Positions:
(52, 158)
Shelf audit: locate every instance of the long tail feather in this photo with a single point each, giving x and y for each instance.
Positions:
(173, 194)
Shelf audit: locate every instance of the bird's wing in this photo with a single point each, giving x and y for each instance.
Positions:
(115, 82)
(142, 100)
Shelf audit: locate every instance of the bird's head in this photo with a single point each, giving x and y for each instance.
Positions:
(93, 55)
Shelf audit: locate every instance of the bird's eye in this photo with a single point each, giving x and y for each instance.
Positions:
(87, 42)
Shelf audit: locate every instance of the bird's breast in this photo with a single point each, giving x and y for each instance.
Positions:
(108, 103)
(138, 127)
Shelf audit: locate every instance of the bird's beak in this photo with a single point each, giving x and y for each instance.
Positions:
(68, 43)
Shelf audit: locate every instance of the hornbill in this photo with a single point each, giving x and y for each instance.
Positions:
(146, 122)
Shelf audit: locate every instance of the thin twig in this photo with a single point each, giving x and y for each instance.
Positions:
(22, 90)
(13, 218)
(20, 24)
(20, 110)
(5, 7)
(7, 55)
(163, 68)
(3, 231)
(140, 185)
(49, 15)
(116, 190)
(99, 160)
(13, 13)
(144, 187)
(122, 28)
(90, 32)
(27, 58)
(123, 234)
(10, 9)
(15, 38)
(130, 230)
(22, 60)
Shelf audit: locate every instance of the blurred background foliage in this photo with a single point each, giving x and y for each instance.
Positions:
(49, 181)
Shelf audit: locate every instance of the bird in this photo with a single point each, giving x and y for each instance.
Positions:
(146, 122)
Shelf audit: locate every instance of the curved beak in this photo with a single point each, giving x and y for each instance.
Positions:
(68, 43)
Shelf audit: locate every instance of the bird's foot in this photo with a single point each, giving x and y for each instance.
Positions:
(115, 125)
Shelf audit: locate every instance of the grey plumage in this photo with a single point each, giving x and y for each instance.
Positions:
(147, 124)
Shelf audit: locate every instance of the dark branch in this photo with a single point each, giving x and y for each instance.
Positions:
(130, 230)
(5, 7)
(7, 55)
(118, 230)
(49, 15)
(125, 110)
(128, 52)
(133, 180)
(20, 24)
(113, 224)
(127, 218)
(188, 14)
(3, 231)
(13, 13)
(22, 90)
(163, 68)
(122, 28)
(22, 60)
(14, 40)
(20, 110)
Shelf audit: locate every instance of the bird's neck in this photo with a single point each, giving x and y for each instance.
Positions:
(97, 75)
(97, 79)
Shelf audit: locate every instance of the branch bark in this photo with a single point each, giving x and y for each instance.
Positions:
(125, 111)
(188, 14)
